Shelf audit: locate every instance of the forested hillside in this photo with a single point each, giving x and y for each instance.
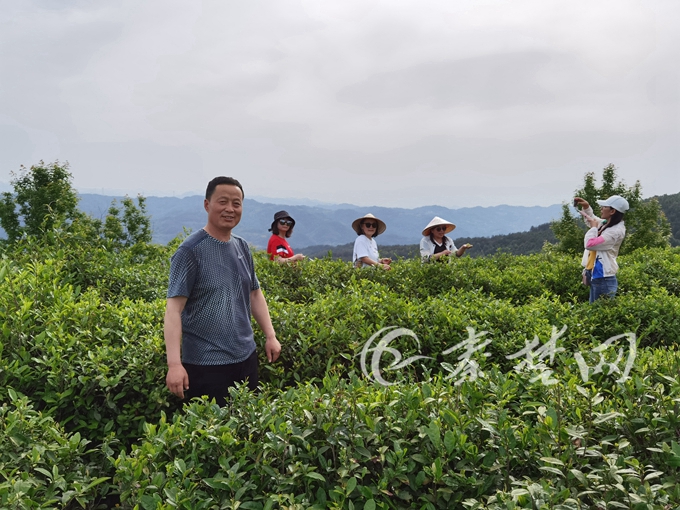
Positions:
(330, 225)
(670, 204)
(518, 243)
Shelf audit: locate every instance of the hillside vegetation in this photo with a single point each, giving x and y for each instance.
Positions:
(86, 420)
(488, 382)
(518, 243)
(670, 205)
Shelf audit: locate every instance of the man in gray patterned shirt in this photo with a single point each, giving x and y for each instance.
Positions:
(211, 294)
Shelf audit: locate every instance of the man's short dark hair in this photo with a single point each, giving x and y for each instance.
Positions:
(222, 180)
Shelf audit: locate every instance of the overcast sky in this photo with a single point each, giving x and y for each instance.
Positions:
(391, 103)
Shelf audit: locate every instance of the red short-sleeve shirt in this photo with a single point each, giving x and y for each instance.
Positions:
(278, 246)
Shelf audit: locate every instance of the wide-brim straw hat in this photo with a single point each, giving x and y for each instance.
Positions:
(356, 224)
(436, 221)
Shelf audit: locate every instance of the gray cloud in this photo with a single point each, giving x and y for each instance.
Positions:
(487, 82)
(16, 142)
(326, 99)
(149, 166)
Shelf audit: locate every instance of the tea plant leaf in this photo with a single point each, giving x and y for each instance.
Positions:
(351, 485)
(624, 443)
(552, 470)
(552, 460)
(44, 472)
(579, 476)
(653, 475)
(434, 433)
(675, 447)
(602, 418)
(449, 441)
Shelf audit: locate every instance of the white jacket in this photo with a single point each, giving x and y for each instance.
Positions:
(427, 247)
(606, 245)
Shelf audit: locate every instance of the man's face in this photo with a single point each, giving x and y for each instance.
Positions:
(224, 207)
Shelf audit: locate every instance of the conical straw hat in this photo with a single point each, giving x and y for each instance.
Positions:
(438, 221)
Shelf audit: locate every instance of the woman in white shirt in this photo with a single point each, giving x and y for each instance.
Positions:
(435, 245)
(365, 248)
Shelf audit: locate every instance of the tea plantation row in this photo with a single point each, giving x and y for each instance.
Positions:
(87, 422)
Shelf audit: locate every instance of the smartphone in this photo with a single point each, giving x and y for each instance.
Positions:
(575, 203)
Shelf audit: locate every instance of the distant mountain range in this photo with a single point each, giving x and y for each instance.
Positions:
(326, 225)
(322, 227)
(517, 243)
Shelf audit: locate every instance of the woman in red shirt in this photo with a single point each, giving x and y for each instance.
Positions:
(278, 247)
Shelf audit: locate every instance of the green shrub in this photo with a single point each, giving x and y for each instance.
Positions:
(41, 466)
(97, 367)
(331, 331)
(648, 268)
(344, 444)
(81, 333)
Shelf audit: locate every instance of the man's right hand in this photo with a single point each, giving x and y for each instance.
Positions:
(177, 380)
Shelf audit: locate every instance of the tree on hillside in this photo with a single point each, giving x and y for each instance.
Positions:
(670, 204)
(132, 228)
(44, 200)
(43, 197)
(646, 224)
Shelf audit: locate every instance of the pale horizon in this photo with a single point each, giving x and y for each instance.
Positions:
(291, 200)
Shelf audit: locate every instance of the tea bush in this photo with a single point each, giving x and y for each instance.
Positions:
(331, 331)
(645, 269)
(81, 336)
(95, 366)
(505, 276)
(41, 466)
(516, 278)
(348, 444)
(136, 272)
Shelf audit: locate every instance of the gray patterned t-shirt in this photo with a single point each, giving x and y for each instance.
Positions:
(217, 278)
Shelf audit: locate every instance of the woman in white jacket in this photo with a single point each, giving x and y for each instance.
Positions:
(602, 242)
(436, 245)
